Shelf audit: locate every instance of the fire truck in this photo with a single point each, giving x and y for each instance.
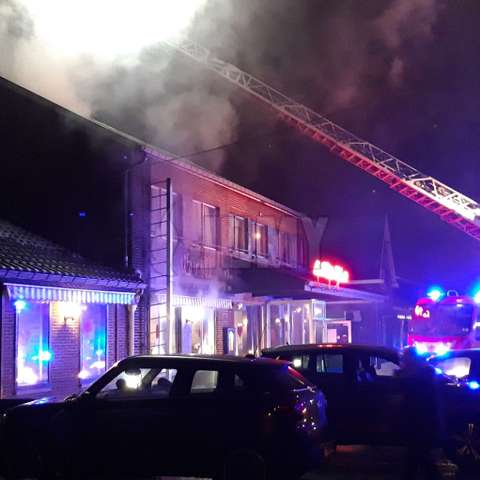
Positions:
(443, 322)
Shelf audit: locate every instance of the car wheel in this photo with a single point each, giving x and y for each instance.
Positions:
(464, 446)
(243, 464)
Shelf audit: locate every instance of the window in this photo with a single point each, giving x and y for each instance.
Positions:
(330, 363)
(261, 240)
(33, 353)
(300, 362)
(384, 367)
(240, 234)
(210, 224)
(93, 326)
(456, 366)
(284, 247)
(205, 230)
(139, 383)
(204, 381)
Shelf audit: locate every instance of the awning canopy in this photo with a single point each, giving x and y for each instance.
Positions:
(71, 295)
(187, 301)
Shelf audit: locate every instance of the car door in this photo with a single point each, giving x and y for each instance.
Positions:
(330, 370)
(127, 426)
(379, 398)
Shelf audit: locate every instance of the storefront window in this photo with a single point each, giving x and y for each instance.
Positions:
(33, 355)
(240, 227)
(93, 326)
(197, 332)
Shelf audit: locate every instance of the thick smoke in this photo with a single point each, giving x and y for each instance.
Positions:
(332, 63)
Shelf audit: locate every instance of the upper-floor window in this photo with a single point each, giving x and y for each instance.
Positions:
(240, 233)
(285, 248)
(261, 240)
(205, 224)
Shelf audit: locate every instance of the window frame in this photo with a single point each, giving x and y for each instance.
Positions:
(43, 385)
(244, 220)
(261, 239)
(200, 239)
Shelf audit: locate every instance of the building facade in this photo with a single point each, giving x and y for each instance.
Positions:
(63, 320)
(226, 268)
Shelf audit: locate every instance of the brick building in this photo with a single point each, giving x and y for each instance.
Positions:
(227, 269)
(63, 320)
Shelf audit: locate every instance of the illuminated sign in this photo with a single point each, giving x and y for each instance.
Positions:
(332, 273)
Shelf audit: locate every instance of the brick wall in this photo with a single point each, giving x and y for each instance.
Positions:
(7, 368)
(140, 245)
(224, 319)
(65, 345)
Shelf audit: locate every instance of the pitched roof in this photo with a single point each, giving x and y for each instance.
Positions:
(355, 242)
(25, 256)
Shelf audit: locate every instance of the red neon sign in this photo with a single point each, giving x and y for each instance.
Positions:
(332, 273)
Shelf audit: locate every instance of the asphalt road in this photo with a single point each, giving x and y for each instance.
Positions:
(367, 463)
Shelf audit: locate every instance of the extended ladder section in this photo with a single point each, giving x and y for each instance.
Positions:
(161, 336)
(452, 206)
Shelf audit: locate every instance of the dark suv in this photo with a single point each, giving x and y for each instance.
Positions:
(366, 399)
(173, 415)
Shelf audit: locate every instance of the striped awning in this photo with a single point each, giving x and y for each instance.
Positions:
(186, 301)
(71, 295)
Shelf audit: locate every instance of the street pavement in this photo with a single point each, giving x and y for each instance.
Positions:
(371, 463)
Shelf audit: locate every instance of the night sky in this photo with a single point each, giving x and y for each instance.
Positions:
(402, 74)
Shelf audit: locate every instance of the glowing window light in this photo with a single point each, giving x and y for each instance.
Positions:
(458, 371)
(99, 365)
(133, 381)
(20, 305)
(435, 294)
(297, 362)
(26, 376)
(83, 375)
(45, 356)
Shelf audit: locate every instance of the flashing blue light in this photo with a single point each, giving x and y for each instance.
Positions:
(438, 371)
(82, 214)
(473, 385)
(435, 294)
(476, 297)
(45, 356)
(20, 305)
(421, 348)
(441, 349)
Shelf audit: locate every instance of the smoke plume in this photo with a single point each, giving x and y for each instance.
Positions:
(331, 56)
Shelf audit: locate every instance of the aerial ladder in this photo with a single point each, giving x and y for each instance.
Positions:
(451, 206)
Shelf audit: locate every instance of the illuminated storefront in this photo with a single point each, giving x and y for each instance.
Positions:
(63, 320)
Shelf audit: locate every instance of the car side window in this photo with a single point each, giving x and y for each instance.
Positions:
(139, 383)
(204, 381)
(455, 366)
(330, 363)
(300, 362)
(383, 367)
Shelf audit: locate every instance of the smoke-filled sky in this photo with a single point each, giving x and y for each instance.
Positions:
(403, 74)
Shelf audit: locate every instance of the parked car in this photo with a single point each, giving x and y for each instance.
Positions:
(366, 399)
(464, 365)
(224, 417)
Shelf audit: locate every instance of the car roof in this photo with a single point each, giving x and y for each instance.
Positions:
(213, 359)
(341, 347)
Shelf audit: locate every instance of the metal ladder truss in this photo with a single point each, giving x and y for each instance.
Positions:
(160, 268)
(451, 206)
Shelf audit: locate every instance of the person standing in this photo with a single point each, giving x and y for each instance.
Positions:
(422, 415)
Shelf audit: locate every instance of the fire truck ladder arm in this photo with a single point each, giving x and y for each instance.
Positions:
(452, 206)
